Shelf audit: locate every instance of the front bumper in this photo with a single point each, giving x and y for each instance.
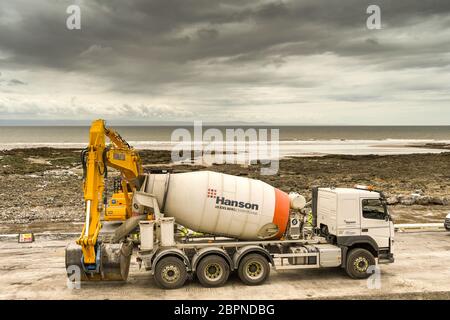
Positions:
(384, 258)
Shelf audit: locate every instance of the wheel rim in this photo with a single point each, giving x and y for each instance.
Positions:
(170, 273)
(254, 270)
(213, 271)
(361, 264)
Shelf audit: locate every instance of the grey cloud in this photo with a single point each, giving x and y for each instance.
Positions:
(12, 82)
(208, 33)
(318, 25)
(220, 51)
(143, 111)
(15, 82)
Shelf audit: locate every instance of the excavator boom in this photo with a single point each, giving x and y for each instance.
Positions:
(97, 260)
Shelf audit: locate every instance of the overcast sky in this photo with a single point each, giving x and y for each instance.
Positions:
(287, 62)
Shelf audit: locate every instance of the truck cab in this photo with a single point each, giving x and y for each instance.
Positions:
(355, 218)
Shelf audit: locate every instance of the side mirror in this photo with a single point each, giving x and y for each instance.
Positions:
(386, 211)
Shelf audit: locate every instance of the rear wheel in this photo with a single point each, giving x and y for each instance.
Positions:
(170, 273)
(358, 263)
(253, 269)
(213, 271)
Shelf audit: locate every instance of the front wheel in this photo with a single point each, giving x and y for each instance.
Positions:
(358, 263)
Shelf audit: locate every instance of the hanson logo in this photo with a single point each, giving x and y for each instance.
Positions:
(222, 201)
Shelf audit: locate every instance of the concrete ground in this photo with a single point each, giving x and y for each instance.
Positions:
(421, 270)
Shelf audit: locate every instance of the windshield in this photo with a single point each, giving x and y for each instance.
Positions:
(374, 209)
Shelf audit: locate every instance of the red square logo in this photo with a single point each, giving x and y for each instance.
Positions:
(212, 193)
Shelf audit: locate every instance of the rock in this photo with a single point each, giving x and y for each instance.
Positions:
(407, 201)
(439, 201)
(419, 192)
(392, 200)
(424, 200)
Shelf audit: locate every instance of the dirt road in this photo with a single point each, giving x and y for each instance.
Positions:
(421, 270)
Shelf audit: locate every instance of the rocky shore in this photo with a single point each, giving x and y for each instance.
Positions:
(45, 184)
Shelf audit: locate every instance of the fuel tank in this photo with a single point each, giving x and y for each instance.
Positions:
(221, 204)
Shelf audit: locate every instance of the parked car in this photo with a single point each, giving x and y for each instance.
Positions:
(447, 222)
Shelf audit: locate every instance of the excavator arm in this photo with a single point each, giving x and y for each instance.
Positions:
(96, 159)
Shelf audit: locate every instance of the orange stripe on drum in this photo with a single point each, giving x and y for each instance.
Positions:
(281, 212)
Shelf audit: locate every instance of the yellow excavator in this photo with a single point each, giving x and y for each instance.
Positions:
(98, 256)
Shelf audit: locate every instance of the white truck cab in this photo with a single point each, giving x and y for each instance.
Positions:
(447, 222)
(352, 216)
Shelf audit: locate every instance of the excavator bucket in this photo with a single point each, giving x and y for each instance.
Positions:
(114, 262)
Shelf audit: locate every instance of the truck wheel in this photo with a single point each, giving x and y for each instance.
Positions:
(358, 262)
(213, 271)
(253, 269)
(170, 273)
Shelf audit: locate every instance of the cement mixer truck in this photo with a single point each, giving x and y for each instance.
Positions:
(207, 224)
(247, 226)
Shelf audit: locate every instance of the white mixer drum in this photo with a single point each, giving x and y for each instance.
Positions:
(223, 204)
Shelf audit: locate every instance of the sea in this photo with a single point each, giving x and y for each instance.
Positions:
(292, 140)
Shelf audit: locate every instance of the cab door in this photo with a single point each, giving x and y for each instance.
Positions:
(374, 222)
(349, 219)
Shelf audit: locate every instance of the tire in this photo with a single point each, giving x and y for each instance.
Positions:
(170, 273)
(254, 269)
(358, 262)
(213, 271)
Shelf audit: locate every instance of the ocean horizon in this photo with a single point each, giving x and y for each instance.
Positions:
(293, 140)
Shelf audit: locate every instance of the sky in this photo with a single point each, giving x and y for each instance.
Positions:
(304, 62)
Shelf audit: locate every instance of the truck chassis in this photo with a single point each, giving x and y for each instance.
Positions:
(212, 259)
